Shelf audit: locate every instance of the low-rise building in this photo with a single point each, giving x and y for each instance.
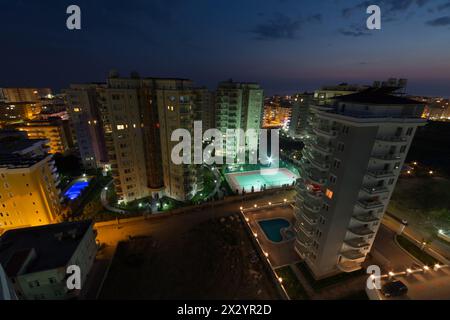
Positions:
(36, 259)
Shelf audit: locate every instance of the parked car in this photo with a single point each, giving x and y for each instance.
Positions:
(394, 289)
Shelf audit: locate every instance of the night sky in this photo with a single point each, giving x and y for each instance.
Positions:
(286, 45)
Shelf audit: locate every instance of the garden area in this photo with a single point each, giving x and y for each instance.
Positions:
(415, 251)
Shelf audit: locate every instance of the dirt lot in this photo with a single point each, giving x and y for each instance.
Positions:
(211, 260)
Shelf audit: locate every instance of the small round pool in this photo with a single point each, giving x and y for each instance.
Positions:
(272, 228)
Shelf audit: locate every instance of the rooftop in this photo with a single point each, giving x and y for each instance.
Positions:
(53, 246)
(16, 161)
(11, 145)
(376, 97)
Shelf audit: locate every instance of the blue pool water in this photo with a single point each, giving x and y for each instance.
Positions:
(272, 228)
(76, 188)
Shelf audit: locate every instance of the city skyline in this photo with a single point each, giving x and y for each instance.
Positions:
(286, 46)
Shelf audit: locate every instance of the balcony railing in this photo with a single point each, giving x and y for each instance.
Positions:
(357, 243)
(380, 174)
(361, 231)
(327, 132)
(353, 255)
(391, 139)
(386, 157)
(317, 180)
(309, 217)
(365, 218)
(375, 189)
(370, 204)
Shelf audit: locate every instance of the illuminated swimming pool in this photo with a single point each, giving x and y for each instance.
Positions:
(76, 188)
(273, 228)
(255, 180)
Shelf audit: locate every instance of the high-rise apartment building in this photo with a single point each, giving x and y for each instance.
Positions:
(131, 129)
(238, 106)
(299, 115)
(29, 193)
(179, 105)
(24, 94)
(348, 171)
(83, 106)
(51, 130)
(12, 112)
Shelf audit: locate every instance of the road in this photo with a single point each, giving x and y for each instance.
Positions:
(435, 246)
(395, 259)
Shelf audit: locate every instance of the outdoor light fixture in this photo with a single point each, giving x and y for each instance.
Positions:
(285, 200)
(270, 203)
(426, 268)
(247, 219)
(256, 235)
(280, 279)
(240, 208)
(256, 206)
(391, 274)
(409, 271)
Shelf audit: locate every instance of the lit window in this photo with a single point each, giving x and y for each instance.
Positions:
(76, 109)
(120, 127)
(329, 194)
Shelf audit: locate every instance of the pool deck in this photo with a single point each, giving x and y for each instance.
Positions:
(281, 253)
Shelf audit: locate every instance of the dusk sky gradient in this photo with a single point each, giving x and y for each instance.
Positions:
(286, 45)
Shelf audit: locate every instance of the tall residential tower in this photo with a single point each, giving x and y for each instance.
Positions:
(348, 171)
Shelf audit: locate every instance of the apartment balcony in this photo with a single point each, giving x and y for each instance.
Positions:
(325, 132)
(310, 208)
(312, 195)
(322, 147)
(357, 243)
(301, 227)
(303, 239)
(320, 163)
(353, 255)
(369, 204)
(361, 231)
(301, 250)
(309, 217)
(381, 174)
(316, 179)
(391, 139)
(365, 218)
(299, 199)
(375, 190)
(349, 266)
(386, 157)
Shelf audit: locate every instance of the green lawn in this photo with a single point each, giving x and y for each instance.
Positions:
(291, 284)
(416, 251)
(423, 201)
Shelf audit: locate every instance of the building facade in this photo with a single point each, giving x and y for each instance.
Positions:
(52, 130)
(238, 106)
(38, 269)
(29, 193)
(83, 106)
(348, 171)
